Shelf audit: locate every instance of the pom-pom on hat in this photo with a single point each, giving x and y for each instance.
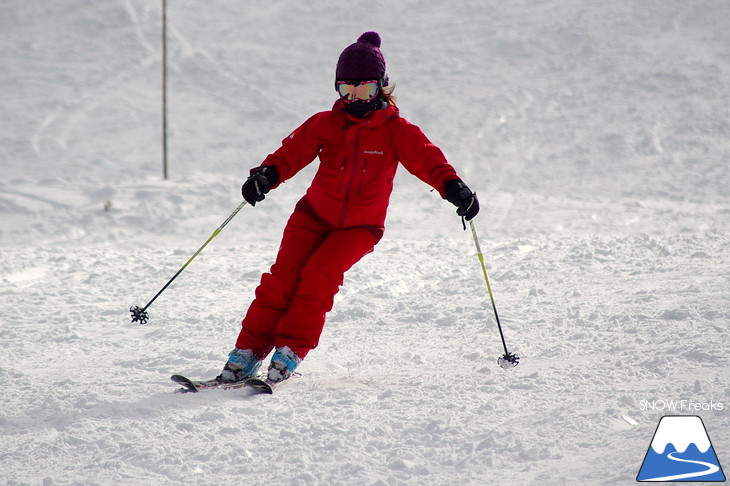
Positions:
(362, 60)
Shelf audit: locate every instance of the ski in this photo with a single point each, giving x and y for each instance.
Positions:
(193, 386)
(267, 387)
(255, 386)
(261, 386)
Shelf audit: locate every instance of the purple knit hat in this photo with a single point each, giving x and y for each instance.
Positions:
(362, 60)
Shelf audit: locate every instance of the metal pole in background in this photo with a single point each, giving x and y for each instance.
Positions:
(164, 89)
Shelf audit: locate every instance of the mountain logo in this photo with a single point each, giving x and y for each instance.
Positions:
(681, 451)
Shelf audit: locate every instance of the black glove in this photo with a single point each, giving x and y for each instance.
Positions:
(259, 183)
(466, 202)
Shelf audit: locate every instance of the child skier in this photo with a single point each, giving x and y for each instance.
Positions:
(359, 142)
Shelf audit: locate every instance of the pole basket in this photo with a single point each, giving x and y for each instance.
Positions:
(508, 360)
(139, 315)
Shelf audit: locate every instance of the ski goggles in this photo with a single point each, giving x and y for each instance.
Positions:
(357, 90)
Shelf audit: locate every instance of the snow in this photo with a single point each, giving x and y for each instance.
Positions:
(595, 133)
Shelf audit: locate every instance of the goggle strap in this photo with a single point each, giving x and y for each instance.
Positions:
(383, 82)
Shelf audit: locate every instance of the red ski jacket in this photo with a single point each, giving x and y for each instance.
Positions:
(358, 161)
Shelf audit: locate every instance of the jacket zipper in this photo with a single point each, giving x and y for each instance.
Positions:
(352, 178)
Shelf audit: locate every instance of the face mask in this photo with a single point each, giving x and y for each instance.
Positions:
(362, 108)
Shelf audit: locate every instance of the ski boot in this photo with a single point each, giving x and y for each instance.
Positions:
(283, 364)
(242, 364)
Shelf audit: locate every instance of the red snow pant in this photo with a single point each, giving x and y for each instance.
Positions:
(293, 298)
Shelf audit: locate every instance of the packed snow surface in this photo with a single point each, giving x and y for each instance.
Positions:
(595, 134)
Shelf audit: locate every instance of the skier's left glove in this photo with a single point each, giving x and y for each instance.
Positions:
(259, 183)
(466, 202)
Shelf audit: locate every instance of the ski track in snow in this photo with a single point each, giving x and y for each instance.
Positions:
(595, 136)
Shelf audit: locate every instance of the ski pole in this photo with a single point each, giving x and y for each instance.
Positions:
(140, 314)
(508, 359)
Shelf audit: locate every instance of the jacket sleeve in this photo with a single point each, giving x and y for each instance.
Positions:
(299, 149)
(422, 158)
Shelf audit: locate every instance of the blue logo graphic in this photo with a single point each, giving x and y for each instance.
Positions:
(681, 451)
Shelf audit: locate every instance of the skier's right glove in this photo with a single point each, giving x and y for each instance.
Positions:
(259, 183)
(466, 202)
